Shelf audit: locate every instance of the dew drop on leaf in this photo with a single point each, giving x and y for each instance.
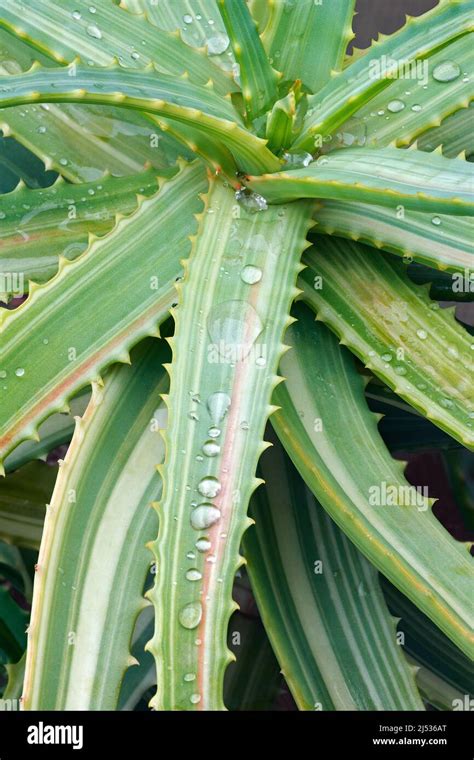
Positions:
(446, 71)
(209, 487)
(395, 106)
(204, 516)
(218, 405)
(190, 615)
(251, 274)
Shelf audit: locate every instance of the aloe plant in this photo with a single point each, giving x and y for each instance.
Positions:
(216, 161)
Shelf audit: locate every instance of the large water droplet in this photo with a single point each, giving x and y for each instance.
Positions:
(94, 31)
(217, 44)
(446, 71)
(76, 15)
(213, 432)
(195, 698)
(295, 160)
(218, 405)
(193, 575)
(253, 202)
(422, 334)
(211, 448)
(234, 326)
(188, 677)
(436, 220)
(395, 106)
(19, 372)
(190, 615)
(251, 274)
(204, 516)
(209, 487)
(187, 18)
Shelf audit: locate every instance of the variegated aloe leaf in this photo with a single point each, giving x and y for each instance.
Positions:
(139, 679)
(139, 260)
(24, 495)
(199, 23)
(39, 226)
(387, 176)
(321, 602)
(307, 40)
(259, 80)
(441, 84)
(416, 348)
(177, 100)
(84, 612)
(439, 240)
(455, 134)
(333, 440)
(226, 348)
(347, 92)
(105, 34)
(82, 142)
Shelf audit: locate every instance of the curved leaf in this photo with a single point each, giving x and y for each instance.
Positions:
(333, 440)
(43, 367)
(84, 611)
(387, 176)
(321, 602)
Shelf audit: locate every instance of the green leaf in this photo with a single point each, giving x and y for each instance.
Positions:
(43, 366)
(57, 222)
(386, 176)
(295, 30)
(280, 123)
(259, 79)
(84, 612)
(106, 34)
(394, 115)
(17, 163)
(24, 496)
(347, 92)
(139, 679)
(179, 101)
(405, 339)
(200, 25)
(226, 348)
(455, 134)
(12, 693)
(439, 241)
(339, 452)
(321, 602)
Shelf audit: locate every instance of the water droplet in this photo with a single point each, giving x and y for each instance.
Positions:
(297, 159)
(213, 432)
(422, 334)
(190, 615)
(251, 274)
(187, 18)
(45, 341)
(193, 575)
(233, 327)
(253, 202)
(92, 9)
(204, 516)
(452, 351)
(3, 374)
(41, 130)
(193, 416)
(386, 357)
(19, 372)
(416, 107)
(203, 545)
(436, 221)
(400, 369)
(211, 448)
(188, 677)
(63, 161)
(244, 425)
(209, 487)
(322, 161)
(218, 405)
(446, 71)
(76, 15)
(446, 403)
(381, 112)
(217, 44)
(94, 31)
(191, 555)
(195, 698)
(135, 56)
(395, 106)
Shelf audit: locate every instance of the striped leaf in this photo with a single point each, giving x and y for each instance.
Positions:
(333, 440)
(321, 602)
(45, 367)
(387, 176)
(84, 612)
(416, 348)
(226, 347)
